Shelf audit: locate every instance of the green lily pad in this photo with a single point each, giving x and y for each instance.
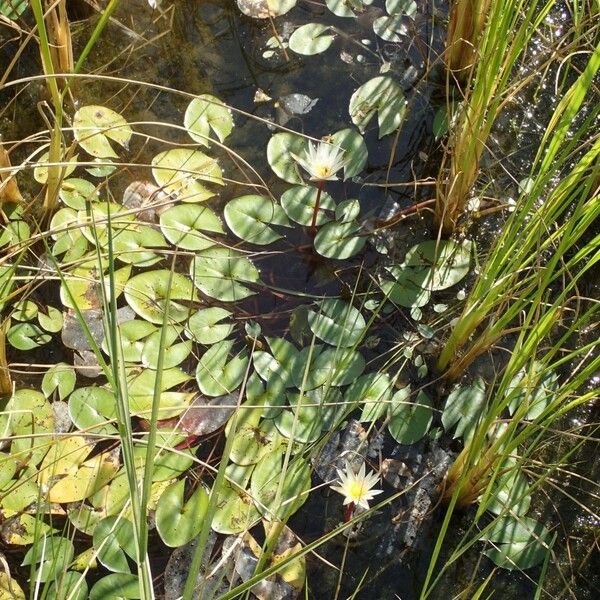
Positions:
(301, 424)
(409, 421)
(205, 327)
(464, 408)
(22, 530)
(50, 556)
(91, 409)
(83, 287)
(94, 126)
(40, 171)
(61, 377)
(104, 167)
(180, 171)
(535, 388)
(264, 9)
(173, 353)
(76, 193)
(347, 8)
(132, 335)
(407, 289)
(206, 114)
(116, 585)
(178, 521)
(511, 492)
(250, 217)
(335, 367)
(220, 273)
(27, 336)
(282, 363)
(380, 95)
(337, 323)
(280, 148)
(373, 392)
(311, 38)
(52, 321)
(68, 586)
(113, 541)
(391, 28)
(235, 512)
(355, 151)
(404, 7)
(446, 262)
(339, 240)
(518, 543)
(183, 226)
(26, 310)
(28, 418)
(147, 294)
(265, 484)
(134, 245)
(216, 375)
(8, 467)
(299, 204)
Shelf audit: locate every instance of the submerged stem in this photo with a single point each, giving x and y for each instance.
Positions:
(313, 223)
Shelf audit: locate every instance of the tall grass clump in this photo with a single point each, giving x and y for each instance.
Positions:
(508, 29)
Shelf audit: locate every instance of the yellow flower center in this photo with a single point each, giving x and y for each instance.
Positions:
(322, 171)
(356, 490)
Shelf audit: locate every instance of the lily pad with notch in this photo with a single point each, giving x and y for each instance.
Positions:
(299, 204)
(337, 323)
(216, 373)
(184, 226)
(409, 421)
(206, 114)
(95, 126)
(280, 150)
(311, 38)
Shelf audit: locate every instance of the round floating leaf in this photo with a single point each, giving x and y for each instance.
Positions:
(206, 114)
(464, 406)
(401, 7)
(50, 556)
(133, 245)
(94, 126)
(8, 467)
(179, 171)
(447, 262)
(40, 172)
(518, 543)
(253, 438)
(26, 418)
(90, 408)
(27, 336)
(116, 585)
(283, 363)
(53, 321)
(346, 8)
(22, 530)
(409, 421)
(104, 169)
(67, 586)
(535, 388)
(373, 392)
(205, 326)
(339, 240)
(311, 39)
(83, 287)
(26, 310)
(183, 225)
(131, 338)
(114, 540)
(235, 512)
(391, 28)
(265, 484)
(216, 375)
(147, 294)
(61, 377)
(408, 288)
(14, 233)
(173, 353)
(355, 151)
(177, 521)
(347, 210)
(76, 193)
(280, 148)
(336, 367)
(337, 323)
(263, 9)
(380, 95)
(219, 273)
(299, 204)
(9, 588)
(511, 492)
(302, 423)
(249, 218)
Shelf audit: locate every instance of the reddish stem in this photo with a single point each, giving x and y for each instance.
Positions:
(313, 224)
(348, 512)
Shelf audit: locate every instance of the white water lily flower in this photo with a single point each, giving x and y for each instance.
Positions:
(322, 161)
(357, 488)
